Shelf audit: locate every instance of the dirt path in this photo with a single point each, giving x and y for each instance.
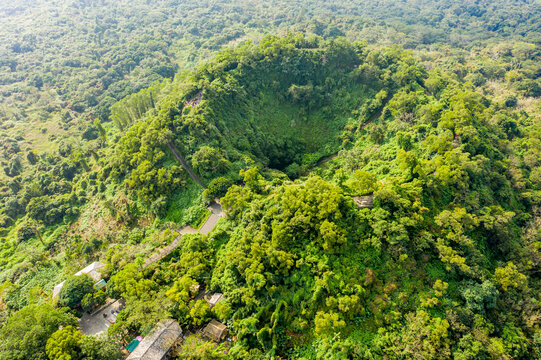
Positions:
(184, 163)
(375, 116)
(325, 159)
(216, 214)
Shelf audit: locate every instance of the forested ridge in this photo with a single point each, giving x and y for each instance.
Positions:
(286, 112)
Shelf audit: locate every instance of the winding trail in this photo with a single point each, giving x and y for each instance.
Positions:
(215, 214)
(325, 159)
(184, 163)
(376, 115)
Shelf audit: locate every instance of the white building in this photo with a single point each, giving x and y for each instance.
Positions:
(93, 270)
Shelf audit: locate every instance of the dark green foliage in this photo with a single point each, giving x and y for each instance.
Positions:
(209, 161)
(75, 289)
(217, 188)
(480, 297)
(444, 136)
(100, 347)
(93, 299)
(510, 101)
(26, 332)
(51, 211)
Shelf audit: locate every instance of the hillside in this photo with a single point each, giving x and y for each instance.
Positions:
(428, 110)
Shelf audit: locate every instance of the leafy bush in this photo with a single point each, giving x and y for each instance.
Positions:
(217, 188)
(26, 332)
(75, 289)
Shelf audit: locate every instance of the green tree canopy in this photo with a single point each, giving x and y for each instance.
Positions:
(74, 290)
(26, 332)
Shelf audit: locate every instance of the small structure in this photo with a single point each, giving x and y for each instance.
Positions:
(194, 289)
(456, 141)
(159, 343)
(133, 345)
(93, 270)
(196, 100)
(215, 331)
(100, 284)
(213, 299)
(364, 201)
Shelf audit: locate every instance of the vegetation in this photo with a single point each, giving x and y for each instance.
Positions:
(284, 111)
(75, 289)
(26, 333)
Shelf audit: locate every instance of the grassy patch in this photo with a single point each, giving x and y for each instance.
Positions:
(186, 206)
(198, 222)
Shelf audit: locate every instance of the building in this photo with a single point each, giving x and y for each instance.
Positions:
(215, 331)
(364, 201)
(214, 299)
(160, 342)
(93, 270)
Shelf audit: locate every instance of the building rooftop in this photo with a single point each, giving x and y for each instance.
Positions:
(215, 331)
(213, 299)
(93, 270)
(159, 342)
(364, 201)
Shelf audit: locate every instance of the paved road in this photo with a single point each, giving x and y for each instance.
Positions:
(216, 214)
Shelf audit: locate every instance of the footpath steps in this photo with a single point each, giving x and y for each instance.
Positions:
(210, 223)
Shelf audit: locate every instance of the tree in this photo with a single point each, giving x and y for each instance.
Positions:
(327, 324)
(91, 300)
(252, 178)
(362, 183)
(181, 289)
(209, 161)
(26, 332)
(193, 348)
(199, 312)
(30, 228)
(141, 311)
(421, 337)
(128, 282)
(480, 296)
(235, 200)
(510, 277)
(100, 347)
(333, 236)
(74, 290)
(217, 188)
(65, 344)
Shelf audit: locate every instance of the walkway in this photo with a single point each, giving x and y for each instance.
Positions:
(216, 214)
(184, 163)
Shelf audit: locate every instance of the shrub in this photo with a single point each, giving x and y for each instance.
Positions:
(74, 290)
(217, 188)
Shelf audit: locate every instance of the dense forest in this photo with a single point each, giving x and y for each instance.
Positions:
(122, 121)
